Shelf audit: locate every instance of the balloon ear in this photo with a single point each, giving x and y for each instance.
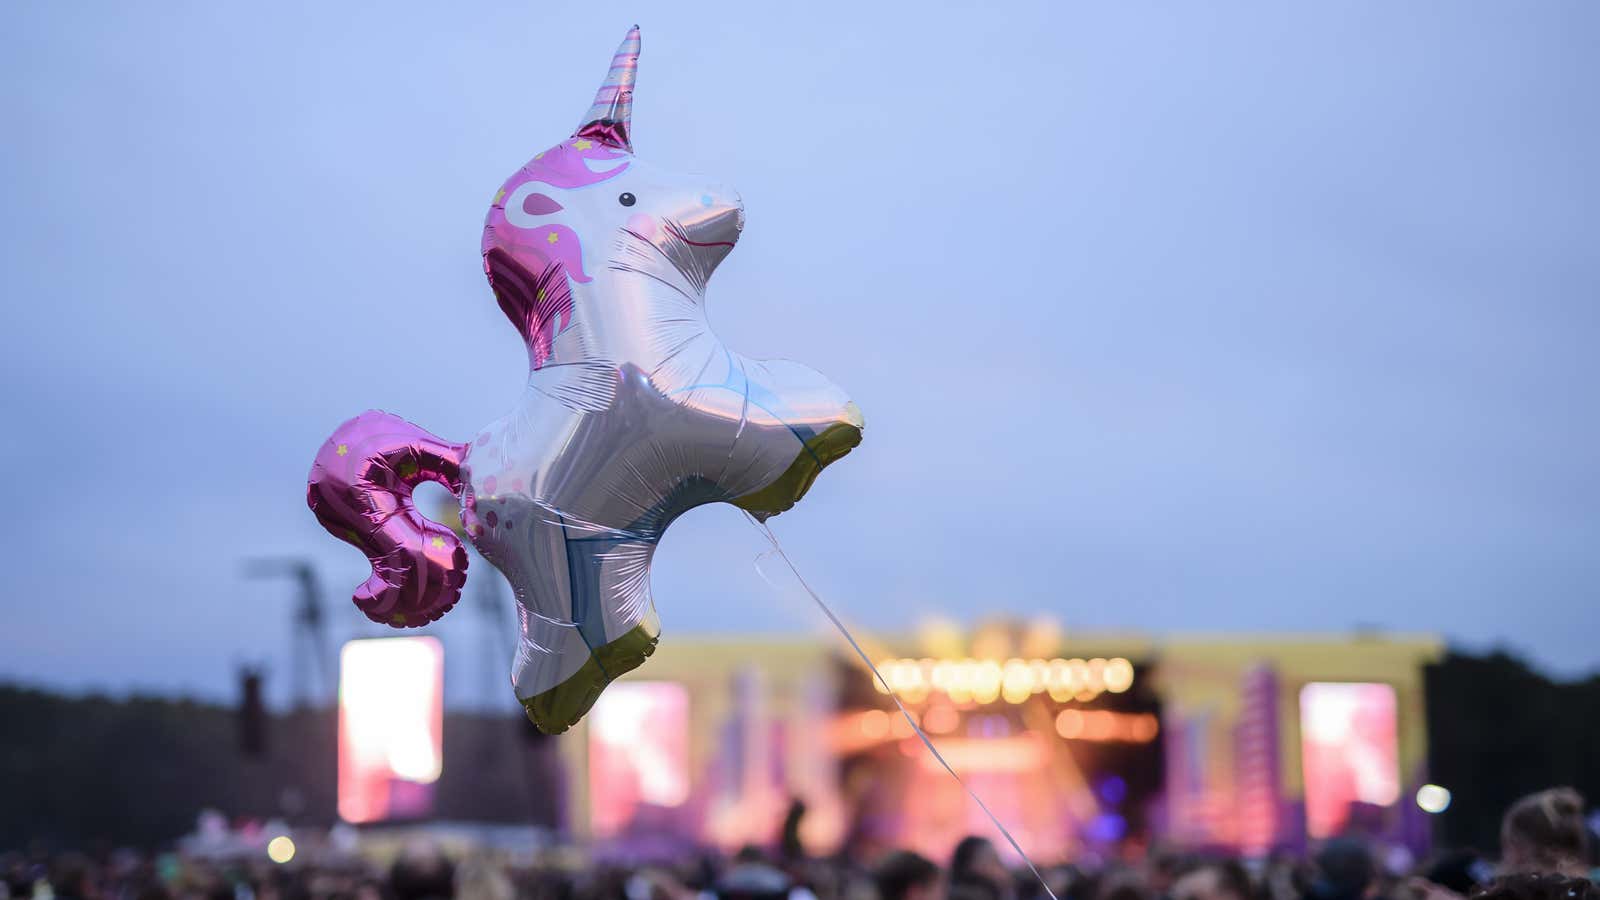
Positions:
(609, 119)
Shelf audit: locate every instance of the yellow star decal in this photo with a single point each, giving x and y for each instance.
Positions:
(541, 293)
(438, 543)
(399, 619)
(582, 144)
(407, 470)
(552, 237)
(498, 194)
(342, 449)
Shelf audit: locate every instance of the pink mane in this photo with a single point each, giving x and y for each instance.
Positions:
(528, 266)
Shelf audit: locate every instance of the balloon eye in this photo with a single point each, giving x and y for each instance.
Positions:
(627, 199)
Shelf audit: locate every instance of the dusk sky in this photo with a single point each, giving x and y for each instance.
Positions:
(1164, 318)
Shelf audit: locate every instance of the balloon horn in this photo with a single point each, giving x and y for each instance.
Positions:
(608, 120)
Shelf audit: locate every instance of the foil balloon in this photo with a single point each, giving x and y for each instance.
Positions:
(634, 412)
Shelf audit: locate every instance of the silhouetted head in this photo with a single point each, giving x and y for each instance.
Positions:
(973, 854)
(1546, 832)
(976, 864)
(753, 881)
(1214, 880)
(1345, 870)
(904, 875)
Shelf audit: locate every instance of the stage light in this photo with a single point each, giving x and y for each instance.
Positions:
(1113, 790)
(1433, 799)
(1016, 681)
(1099, 725)
(1058, 681)
(1106, 828)
(280, 849)
(941, 719)
(1039, 674)
(1145, 728)
(900, 726)
(1118, 675)
(1083, 685)
(1069, 724)
(875, 724)
(986, 680)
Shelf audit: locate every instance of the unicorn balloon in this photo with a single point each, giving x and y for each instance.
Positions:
(634, 412)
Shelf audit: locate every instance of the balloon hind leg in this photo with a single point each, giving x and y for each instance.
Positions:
(583, 597)
(556, 709)
(360, 490)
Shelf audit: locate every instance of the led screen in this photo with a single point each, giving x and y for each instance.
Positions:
(1349, 751)
(638, 752)
(391, 721)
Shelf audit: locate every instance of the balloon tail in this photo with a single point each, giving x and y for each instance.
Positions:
(777, 548)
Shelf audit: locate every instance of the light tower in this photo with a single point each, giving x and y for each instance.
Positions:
(308, 646)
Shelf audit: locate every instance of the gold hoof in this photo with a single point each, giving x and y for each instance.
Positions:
(834, 442)
(560, 707)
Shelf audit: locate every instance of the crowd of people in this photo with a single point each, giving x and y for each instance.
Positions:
(1545, 853)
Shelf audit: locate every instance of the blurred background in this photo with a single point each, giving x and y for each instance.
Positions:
(1229, 485)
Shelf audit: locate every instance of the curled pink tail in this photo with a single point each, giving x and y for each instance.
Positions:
(360, 489)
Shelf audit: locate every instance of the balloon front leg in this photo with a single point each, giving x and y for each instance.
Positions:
(810, 423)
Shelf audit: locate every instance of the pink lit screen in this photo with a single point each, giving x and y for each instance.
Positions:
(638, 752)
(391, 725)
(1349, 750)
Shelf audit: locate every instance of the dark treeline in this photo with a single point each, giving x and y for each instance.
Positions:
(1498, 730)
(76, 771)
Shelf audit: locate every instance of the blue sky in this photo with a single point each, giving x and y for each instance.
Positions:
(1202, 318)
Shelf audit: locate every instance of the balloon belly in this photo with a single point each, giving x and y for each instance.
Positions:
(571, 504)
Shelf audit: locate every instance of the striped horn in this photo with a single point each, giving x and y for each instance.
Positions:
(608, 120)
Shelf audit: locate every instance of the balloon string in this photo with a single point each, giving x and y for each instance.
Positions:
(778, 548)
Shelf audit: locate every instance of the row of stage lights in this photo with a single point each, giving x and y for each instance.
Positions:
(1015, 680)
(1100, 726)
